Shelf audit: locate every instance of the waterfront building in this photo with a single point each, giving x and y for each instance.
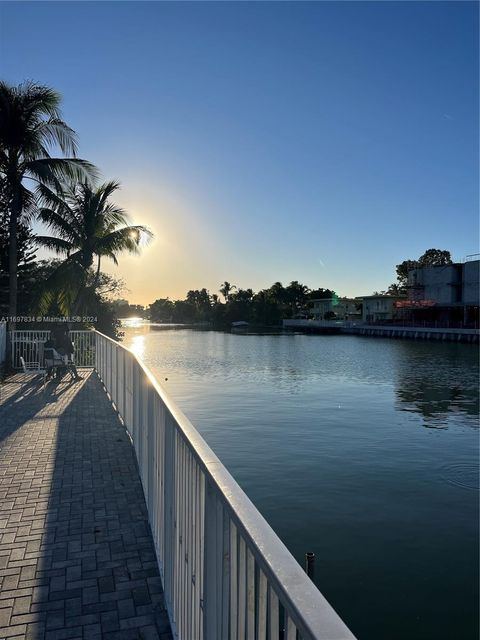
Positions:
(445, 294)
(335, 308)
(319, 308)
(379, 308)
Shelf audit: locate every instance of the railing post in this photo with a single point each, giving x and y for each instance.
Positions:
(310, 564)
(117, 379)
(131, 402)
(139, 442)
(169, 501)
(149, 448)
(211, 608)
(96, 359)
(108, 364)
(104, 357)
(124, 386)
(136, 403)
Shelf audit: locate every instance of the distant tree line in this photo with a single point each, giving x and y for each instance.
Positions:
(267, 307)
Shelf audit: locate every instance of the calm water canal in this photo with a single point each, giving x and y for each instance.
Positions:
(363, 450)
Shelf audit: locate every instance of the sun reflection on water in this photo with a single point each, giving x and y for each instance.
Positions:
(132, 323)
(138, 345)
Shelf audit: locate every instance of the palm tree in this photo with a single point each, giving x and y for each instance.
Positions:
(278, 293)
(296, 295)
(86, 227)
(226, 289)
(31, 125)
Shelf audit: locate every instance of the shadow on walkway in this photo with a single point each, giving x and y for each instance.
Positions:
(22, 397)
(76, 551)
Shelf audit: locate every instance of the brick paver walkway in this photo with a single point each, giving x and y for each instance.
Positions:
(76, 551)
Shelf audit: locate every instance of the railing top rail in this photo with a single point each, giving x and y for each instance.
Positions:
(49, 330)
(311, 612)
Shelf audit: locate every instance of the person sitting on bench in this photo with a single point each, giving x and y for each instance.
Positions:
(64, 346)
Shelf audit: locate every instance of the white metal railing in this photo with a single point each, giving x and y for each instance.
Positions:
(226, 574)
(29, 343)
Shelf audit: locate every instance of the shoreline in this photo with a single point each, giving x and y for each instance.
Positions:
(436, 334)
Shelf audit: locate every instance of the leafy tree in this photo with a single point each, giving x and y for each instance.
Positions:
(87, 226)
(238, 308)
(183, 311)
(394, 290)
(242, 295)
(322, 294)
(97, 300)
(161, 310)
(217, 313)
(26, 254)
(402, 270)
(98, 303)
(105, 285)
(107, 321)
(200, 300)
(31, 276)
(435, 257)
(30, 126)
(297, 295)
(431, 258)
(265, 309)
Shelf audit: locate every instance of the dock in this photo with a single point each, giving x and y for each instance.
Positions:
(77, 558)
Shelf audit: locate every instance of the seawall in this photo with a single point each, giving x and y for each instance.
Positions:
(384, 331)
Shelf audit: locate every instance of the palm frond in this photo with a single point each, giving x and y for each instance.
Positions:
(112, 257)
(54, 244)
(56, 132)
(39, 98)
(126, 239)
(55, 171)
(114, 216)
(29, 205)
(62, 287)
(106, 189)
(52, 199)
(22, 107)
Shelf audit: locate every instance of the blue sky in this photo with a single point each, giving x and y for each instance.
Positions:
(321, 142)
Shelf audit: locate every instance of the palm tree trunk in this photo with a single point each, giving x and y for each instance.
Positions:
(97, 275)
(81, 292)
(78, 301)
(80, 295)
(13, 257)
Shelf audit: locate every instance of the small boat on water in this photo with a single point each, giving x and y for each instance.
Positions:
(239, 327)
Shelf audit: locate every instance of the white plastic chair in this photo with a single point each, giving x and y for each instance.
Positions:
(34, 368)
